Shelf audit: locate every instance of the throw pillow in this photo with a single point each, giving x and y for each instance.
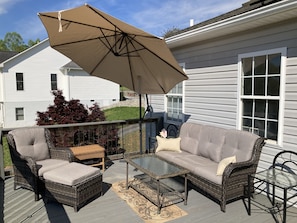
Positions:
(171, 144)
(223, 163)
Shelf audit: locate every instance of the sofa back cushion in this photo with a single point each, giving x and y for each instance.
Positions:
(31, 142)
(240, 144)
(189, 134)
(211, 140)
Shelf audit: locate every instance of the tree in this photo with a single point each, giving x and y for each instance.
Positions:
(3, 46)
(66, 112)
(171, 32)
(14, 42)
(32, 43)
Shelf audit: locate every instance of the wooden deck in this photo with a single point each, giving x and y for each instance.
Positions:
(19, 206)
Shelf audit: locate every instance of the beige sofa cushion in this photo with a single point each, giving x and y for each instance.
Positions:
(211, 140)
(212, 145)
(208, 171)
(189, 133)
(170, 144)
(224, 163)
(31, 142)
(240, 144)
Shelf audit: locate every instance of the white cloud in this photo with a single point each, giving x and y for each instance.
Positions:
(5, 5)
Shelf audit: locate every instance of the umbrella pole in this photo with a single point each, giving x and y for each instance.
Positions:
(140, 125)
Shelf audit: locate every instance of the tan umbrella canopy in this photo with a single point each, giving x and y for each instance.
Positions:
(108, 48)
(111, 49)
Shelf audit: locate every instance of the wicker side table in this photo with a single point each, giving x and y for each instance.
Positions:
(90, 152)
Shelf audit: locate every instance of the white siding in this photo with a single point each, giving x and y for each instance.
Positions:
(36, 69)
(37, 64)
(90, 89)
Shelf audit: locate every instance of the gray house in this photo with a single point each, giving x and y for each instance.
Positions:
(242, 69)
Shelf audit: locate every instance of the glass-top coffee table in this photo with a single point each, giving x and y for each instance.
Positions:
(160, 176)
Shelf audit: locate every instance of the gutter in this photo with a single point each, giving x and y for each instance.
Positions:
(258, 17)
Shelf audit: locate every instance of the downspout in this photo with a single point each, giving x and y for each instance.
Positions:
(2, 174)
(3, 98)
(68, 82)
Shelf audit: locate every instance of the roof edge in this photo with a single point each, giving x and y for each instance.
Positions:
(23, 52)
(227, 25)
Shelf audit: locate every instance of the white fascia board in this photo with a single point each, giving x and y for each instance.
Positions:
(23, 52)
(262, 16)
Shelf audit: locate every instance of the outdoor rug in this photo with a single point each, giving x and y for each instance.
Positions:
(143, 207)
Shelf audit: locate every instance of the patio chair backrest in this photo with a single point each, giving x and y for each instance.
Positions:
(31, 142)
(286, 160)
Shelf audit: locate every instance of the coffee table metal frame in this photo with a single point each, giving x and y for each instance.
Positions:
(157, 170)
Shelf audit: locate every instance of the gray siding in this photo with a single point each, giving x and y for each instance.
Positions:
(211, 91)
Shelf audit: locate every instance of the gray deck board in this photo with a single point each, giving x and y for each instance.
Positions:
(19, 206)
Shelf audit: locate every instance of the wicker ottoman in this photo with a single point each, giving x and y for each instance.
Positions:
(74, 184)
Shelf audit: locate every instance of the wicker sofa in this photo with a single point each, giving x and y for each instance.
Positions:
(49, 171)
(208, 150)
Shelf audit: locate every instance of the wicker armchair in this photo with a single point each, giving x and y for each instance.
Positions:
(32, 154)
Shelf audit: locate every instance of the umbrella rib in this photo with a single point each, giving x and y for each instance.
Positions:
(103, 17)
(93, 26)
(78, 41)
(130, 39)
(108, 45)
(160, 57)
(145, 62)
(130, 66)
(110, 49)
(148, 35)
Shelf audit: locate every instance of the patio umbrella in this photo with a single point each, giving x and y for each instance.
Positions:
(111, 49)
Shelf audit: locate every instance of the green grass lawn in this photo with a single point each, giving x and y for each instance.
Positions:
(7, 159)
(122, 113)
(117, 113)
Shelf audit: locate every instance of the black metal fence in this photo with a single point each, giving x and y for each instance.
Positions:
(117, 137)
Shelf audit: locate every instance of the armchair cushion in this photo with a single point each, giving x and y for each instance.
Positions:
(31, 143)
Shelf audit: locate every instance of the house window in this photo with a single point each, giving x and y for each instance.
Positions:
(174, 102)
(260, 95)
(54, 84)
(19, 81)
(19, 114)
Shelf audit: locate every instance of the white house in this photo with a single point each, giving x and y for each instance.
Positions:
(242, 69)
(27, 79)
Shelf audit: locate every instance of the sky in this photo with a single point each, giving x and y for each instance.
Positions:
(153, 16)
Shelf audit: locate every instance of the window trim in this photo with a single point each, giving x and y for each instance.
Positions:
(16, 81)
(281, 97)
(16, 114)
(54, 82)
(183, 65)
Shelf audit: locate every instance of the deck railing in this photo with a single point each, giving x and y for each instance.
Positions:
(117, 137)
